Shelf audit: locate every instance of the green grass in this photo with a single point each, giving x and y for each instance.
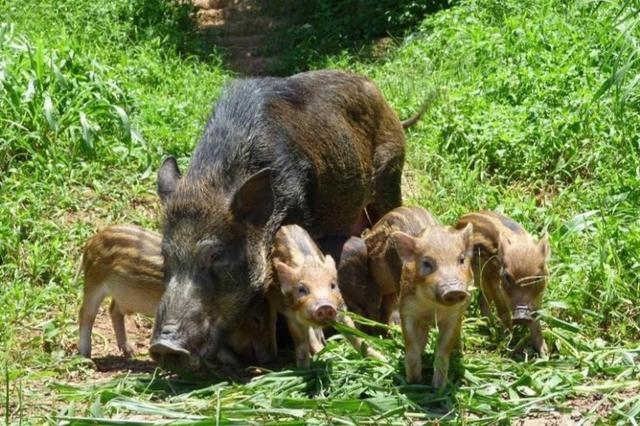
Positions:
(539, 119)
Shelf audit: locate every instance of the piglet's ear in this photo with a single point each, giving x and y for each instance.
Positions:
(503, 243)
(545, 247)
(286, 274)
(168, 178)
(253, 202)
(329, 262)
(467, 233)
(405, 245)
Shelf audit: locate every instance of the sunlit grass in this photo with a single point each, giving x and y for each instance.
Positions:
(538, 117)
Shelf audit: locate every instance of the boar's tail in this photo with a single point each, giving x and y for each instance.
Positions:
(425, 106)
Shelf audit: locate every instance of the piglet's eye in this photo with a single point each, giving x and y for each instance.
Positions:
(302, 290)
(507, 278)
(461, 259)
(426, 267)
(334, 286)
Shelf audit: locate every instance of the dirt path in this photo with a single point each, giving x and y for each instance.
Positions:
(242, 29)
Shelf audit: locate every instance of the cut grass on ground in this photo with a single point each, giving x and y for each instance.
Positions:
(539, 119)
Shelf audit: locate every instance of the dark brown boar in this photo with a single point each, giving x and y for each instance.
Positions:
(510, 269)
(305, 291)
(124, 262)
(370, 267)
(315, 149)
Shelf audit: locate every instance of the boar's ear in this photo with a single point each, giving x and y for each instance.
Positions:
(545, 247)
(168, 177)
(253, 202)
(405, 245)
(286, 274)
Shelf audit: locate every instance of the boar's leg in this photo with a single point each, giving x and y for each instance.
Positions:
(300, 336)
(415, 333)
(388, 162)
(90, 306)
(273, 331)
(538, 340)
(117, 320)
(448, 340)
(359, 344)
(226, 356)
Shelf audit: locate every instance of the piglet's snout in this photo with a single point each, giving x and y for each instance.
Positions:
(324, 312)
(452, 293)
(522, 315)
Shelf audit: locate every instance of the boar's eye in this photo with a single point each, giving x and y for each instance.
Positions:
(461, 259)
(302, 290)
(426, 267)
(334, 286)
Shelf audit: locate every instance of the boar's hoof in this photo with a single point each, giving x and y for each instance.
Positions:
(170, 355)
(324, 314)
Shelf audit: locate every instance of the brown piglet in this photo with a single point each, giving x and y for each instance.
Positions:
(125, 263)
(306, 292)
(510, 269)
(424, 269)
(435, 283)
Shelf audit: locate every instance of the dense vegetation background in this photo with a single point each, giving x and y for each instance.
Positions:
(539, 119)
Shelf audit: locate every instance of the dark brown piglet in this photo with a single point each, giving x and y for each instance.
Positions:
(510, 269)
(369, 267)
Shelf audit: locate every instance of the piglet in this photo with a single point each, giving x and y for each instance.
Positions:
(305, 291)
(510, 268)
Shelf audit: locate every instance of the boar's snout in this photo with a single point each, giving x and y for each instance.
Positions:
(452, 293)
(169, 355)
(324, 313)
(522, 315)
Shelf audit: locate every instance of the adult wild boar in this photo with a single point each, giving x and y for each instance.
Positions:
(314, 149)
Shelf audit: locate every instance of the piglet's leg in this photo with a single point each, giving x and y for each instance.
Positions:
(448, 340)
(485, 309)
(300, 336)
(389, 303)
(491, 290)
(359, 344)
(415, 333)
(315, 342)
(117, 320)
(537, 339)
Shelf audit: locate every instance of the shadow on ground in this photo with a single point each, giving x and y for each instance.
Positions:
(277, 37)
(437, 403)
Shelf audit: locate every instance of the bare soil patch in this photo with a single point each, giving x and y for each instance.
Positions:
(242, 29)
